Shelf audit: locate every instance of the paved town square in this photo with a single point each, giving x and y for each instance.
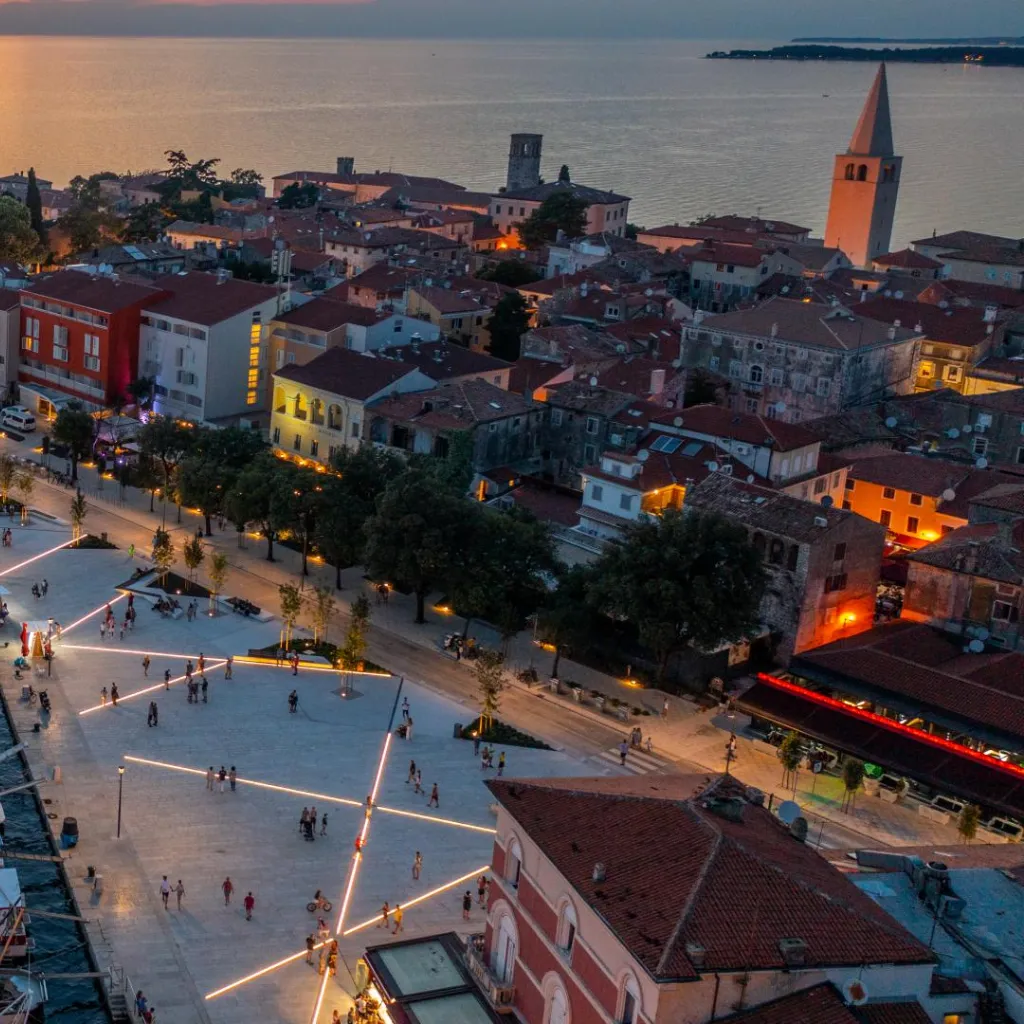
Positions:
(327, 752)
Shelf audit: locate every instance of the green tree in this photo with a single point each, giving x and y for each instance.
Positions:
(509, 322)
(194, 554)
(8, 474)
(86, 192)
(25, 483)
(291, 608)
(141, 391)
(321, 607)
(262, 495)
(247, 178)
(76, 429)
(88, 228)
(18, 242)
(633, 230)
(186, 175)
(218, 574)
(561, 211)
(968, 821)
(853, 779)
(204, 483)
(298, 197)
(490, 682)
(417, 534)
(568, 620)
(166, 442)
(163, 552)
(355, 638)
(453, 472)
(34, 204)
(682, 580)
(563, 174)
(511, 272)
(146, 222)
(790, 756)
(79, 510)
(701, 388)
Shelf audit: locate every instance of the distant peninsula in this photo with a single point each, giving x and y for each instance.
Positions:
(947, 41)
(994, 56)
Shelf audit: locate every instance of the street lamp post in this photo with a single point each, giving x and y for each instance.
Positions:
(120, 792)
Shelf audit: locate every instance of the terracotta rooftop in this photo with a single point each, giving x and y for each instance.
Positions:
(538, 193)
(638, 375)
(1005, 497)
(811, 257)
(966, 240)
(204, 299)
(391, 237)
(749, 428)
(341, 371)
(919, 474)
(385, 278)
(758, 225)
(698, 879)
(327, 314)
(451, 302)
(971, 293)
(906, 259)
(821, 1004)
(458, 405)
(957, 326)
(722, 252)
(991, 551)
(443, 361)
(100, 293)
(808, 323)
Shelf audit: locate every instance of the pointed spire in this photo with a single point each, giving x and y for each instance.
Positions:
(873, 134)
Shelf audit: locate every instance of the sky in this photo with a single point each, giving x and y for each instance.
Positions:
(576, 19)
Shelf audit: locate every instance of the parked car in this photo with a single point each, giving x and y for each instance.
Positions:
(19, 418)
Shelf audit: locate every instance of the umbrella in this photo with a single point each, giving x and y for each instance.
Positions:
(24, 639)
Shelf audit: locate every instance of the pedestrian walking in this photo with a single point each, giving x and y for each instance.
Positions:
(322, 930)
(103, 631)
(664, 708)
(179, 891)
(501, 764)
(384, 912)
(419, 781)
(188, 669)
(228, 666)
(481, 889)
(156, 715)
(434, 801)
(141, 1004)
(233, 778)
(165, 891)
(322, 966)
(131, 551)
(412, 773)
(228, 890)
(623, 751)
(249, 902)
(405, 707)
(417, 866)
(167, 679)
(303, 819)
(408, 728)
(310, 946)
(476, 744)
(145, 667)
(398, 917)
(206, 687)
(201, 663)
(279, 657)
(295, 663)
(103, 697)
(114, 694)
(332, 958)
(293, 702)
(222, 776)
(467, 905)
(323, 824)
(149, 715)
(209, 778)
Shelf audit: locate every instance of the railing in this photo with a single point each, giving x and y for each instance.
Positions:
(500, 994)
(300, 414)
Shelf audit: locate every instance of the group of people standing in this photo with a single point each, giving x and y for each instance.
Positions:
(307, 823)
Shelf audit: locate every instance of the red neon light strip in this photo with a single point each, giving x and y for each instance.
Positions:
(888, 723)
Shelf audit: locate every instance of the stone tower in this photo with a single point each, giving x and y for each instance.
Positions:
(524, 162)
(865, 183)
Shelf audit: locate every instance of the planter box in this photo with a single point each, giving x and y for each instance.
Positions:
(890, 796)
(934, 814)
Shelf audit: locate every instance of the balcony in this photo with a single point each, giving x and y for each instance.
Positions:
(499, 994)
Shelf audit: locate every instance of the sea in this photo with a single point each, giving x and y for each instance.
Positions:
(682, 135)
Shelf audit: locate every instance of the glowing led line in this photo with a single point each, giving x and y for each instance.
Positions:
(35, 558)
(420, 899)
(244, 659)
(95, 611)
(126, 650)
(423, 897)
(249, 782)
(436, 820)
(149, 689)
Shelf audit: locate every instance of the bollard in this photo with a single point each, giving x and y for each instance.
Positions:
(57, 776)
(97, 885)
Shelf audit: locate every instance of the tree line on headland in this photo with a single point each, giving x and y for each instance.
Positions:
(996, 56)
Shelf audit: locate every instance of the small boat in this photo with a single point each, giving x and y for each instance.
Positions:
(15, 943)
(22, 999)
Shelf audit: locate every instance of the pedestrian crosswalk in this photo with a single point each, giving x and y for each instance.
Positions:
(637, 761)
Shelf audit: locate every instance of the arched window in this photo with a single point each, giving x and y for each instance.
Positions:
(301, 407)
(775, 551)
(334, 419)
(889, 172)
(629, 1001)
(513, 863)
(793, 557)
(556, 1003)
(756, 374)
(316, 411)
(862, 172)
(279, 400)
(759, 543)
(849, 172)
(506, 945)
(567, 924)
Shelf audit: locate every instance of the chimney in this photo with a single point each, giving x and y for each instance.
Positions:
(794, 952)
(583, 290)
(346, 164)
(990, 314)
(892, 333)
(698, 317)
(775, 330)
(599, 874)
(657, 381)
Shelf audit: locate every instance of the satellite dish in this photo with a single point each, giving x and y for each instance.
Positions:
(827, 502)
(898, 295)
(785, 289)
(975, 647)
(952, 433)
(750, 478)
(713, 466)
(780, 407)
(887, 293)
(982, 633)
(967, 428)
(855, 992)
(678, 421)
(593, 382)
(948, 494)
(971, 631)
(643, 455)
(943, 304)
(982, 463)
(891, 422)
(789, 811)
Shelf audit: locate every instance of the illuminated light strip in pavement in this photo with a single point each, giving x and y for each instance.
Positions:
(95, 611)
(244, 659)
(35, 558)
(127, 650)
(149, 689)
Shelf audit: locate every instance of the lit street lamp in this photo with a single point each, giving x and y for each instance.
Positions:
(120, 793)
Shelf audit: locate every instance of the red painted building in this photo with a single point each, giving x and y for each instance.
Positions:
(80, 336)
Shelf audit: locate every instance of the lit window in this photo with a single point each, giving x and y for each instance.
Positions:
(912, 524)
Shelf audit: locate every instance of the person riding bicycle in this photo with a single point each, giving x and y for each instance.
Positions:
(319, 902)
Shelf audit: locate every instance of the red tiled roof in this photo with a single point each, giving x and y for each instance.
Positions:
(449, 302)
(384, 277)
(957, 326)
(548, 504)
(689, 891)
(907, 259)
(344, 372)
(757, 225)
(821, 1004)
(910, 1012)
(721, 252)
(100, 293)
(328, 314)
(990, 551)
(455, 405)
(204, 299)
(971, 293)
(903, 471)
(716, 421)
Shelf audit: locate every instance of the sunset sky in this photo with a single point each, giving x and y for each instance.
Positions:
(724, 19)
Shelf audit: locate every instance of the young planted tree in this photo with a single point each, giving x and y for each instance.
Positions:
(163, 553)
(25, 482)
(79, 509)
(76, 429)
(355, 638)
(321, 606)
(967, 823)
(490, 681)
(193, 553)
(8, 474)
(790, 756)
(218, 575)
(291, 607)
(853, 779)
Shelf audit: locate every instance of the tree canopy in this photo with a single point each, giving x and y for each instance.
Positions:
(561, 211)
(298, 197)
(75, 428)
(18, 242)
(509, 322)
(512, 272)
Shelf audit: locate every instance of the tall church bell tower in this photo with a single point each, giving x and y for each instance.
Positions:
(865, 183)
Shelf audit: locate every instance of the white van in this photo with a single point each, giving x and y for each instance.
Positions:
(19, 418)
